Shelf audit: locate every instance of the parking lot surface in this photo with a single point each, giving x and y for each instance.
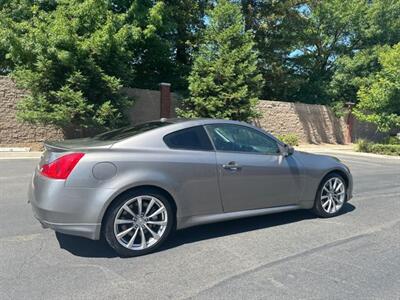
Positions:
(284, 256)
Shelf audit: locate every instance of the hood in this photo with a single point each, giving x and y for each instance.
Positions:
(312, 158)
(317, 155)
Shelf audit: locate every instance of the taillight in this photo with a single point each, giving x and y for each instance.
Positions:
(62, 166)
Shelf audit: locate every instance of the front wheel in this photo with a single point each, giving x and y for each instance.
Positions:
(138, 222)
(331, 196)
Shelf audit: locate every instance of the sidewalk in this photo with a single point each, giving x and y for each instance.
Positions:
(349, 149)
(20, 155)
(326, 148)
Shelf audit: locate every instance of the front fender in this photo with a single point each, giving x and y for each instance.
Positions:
(316, 167)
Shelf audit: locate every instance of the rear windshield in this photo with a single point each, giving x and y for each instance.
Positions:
(125, 132)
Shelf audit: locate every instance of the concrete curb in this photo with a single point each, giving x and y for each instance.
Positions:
(15, 149)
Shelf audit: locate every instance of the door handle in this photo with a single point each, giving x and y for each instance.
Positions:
(232, 166)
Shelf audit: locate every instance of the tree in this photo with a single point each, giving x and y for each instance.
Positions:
(276, 26)
(299, 42)
(306, 46)
(224, 81)
(74, 56)
(379, 97)
(381, 27)
(185, 20)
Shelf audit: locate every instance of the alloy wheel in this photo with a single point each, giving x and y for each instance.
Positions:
(140, 222)
(333, 195)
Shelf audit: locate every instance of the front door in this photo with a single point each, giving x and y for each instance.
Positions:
(252, 172)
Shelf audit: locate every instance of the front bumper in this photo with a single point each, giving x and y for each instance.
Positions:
(350, 185)
(70, 210)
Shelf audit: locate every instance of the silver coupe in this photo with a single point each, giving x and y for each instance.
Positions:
(137, 184)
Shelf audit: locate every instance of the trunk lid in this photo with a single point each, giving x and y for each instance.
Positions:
(76, 144)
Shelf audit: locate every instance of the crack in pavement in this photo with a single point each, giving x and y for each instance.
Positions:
(29, 259)
(298, 255)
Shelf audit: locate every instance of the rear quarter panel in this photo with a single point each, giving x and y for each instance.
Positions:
(189, 176)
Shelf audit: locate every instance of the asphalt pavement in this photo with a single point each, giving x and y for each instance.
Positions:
(284, 256)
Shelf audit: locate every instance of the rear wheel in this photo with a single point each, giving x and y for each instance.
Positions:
(139, 222)
(331, 196)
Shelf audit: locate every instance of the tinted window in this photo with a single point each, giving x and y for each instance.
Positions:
(125, 132)
(193, 138)
(236, 138)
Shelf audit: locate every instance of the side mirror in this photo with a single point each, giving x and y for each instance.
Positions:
(286, 150)
(290, 150)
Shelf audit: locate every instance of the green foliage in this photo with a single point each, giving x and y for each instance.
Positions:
(393, 140)
(386, 149)
(379, 97)
(185, 20)
(352, 72)
(299, 42)
(339, 109)
(74, 56)
(224, 82)
(362, 145)
(290, 139)
(70, 59)
(276, 25)
(380, 27)
(319, 51)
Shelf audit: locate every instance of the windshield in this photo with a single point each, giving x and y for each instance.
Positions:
(125, 132)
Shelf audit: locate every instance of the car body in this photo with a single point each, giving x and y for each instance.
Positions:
(201, 185)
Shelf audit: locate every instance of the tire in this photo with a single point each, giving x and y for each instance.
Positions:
(129, 221)
(331, 196)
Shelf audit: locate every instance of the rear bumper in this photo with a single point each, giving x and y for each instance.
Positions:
(70, 210)
(90, 231)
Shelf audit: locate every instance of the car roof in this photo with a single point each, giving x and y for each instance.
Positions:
(199, 121)
(154, 138)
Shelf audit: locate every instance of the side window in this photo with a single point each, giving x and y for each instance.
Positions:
(193, 138)
(237, 138)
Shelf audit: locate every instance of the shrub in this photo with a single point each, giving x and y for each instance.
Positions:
(289, 139)
(392, 140)
(363, 145)
(386, 149)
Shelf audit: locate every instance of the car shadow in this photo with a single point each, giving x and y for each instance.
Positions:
(88, 248)
(215, 230)
(83, 247)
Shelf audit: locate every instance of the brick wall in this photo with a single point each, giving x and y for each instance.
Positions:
(311, 123)
(11, 130)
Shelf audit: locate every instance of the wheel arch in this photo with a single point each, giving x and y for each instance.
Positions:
(147, 187)
(340, 172)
